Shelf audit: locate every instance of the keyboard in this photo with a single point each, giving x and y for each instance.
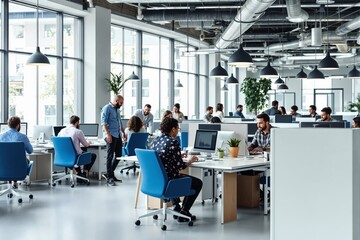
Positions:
(193, 153)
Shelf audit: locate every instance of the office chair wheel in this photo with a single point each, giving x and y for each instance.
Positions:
(163, 227)
(137, 222)
(59, 182)
(127, 173)
(155, 217)
(191, 223)
(72, 185)
(54, 184)
(10, 195)
(202, 202)
(20, 200)
(121, 171)
(31, 196)
(88, 183)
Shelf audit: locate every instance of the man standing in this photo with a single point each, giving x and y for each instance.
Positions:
(274, 109)
(261, 140)
(77, 137)
(208, 115)
(146, 117)
(14, 135)
(325, 115)
(238, 112)
(112, 129)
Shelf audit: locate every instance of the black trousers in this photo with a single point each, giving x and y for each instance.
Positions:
(196, 184)
(114, 150)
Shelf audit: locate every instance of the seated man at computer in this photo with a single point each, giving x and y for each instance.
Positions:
(326, 115)
(238, 112)
(146, 117)
(274, 108)
(293, 111)
(261, 140)
(78, 138)
(208, 115)
(14, 135)
(312, 111)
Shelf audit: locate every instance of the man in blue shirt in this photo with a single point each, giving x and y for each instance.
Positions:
(238, 112)
(112, 129)
(14, 135)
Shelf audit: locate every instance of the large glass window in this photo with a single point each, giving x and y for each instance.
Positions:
(150, 90)
(150, 50)
(72, 69)
(164, 92)
(116, 44)
(165, 53)
(308, 86)
(130, 50)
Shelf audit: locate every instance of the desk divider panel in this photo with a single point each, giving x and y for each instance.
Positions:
(315, 177)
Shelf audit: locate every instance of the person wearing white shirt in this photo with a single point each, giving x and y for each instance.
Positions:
(146, 117)
(77, 137)
(219, 111)
(176, 113)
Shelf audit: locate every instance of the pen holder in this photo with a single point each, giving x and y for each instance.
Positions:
(221, 154)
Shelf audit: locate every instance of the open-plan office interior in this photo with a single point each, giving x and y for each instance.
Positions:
(173, 47)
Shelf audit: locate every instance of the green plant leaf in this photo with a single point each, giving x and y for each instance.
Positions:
(116, 82)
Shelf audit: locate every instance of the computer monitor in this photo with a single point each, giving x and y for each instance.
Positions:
(248, 119)
(57, 129)
(205, 141)
(23, 127)
(90, 129)
(252, 128)
(322, 124)
(223, 137)
(337, 117)
(42, 133)
(207, 126)
(283, 118)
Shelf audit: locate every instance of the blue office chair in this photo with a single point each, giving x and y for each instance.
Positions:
(136, 140)
(184, 140)
(155, 183)
(66, 156)
(13, 167)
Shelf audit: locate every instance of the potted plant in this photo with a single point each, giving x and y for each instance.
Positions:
(234, 146)
(255, 93)
(116, 82)
(354, 106)
(220, 152)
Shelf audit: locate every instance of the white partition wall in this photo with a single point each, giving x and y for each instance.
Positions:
(315, 176)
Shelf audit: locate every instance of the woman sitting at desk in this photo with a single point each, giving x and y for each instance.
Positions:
(169, 152)
(134, 125)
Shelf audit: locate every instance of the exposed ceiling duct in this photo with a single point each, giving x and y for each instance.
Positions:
(165, 1)
(348, 27)
(295, 13)
(250, 12)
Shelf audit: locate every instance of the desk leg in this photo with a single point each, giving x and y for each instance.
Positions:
(51, 169)
(229, 197)
(137, 190)
(266, 202)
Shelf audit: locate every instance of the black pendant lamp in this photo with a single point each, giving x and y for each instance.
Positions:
(240, 58)
(268, 72)
(328, 63)
(232, 80)
(37, 58)
(316, 74)
(301, 74)
(283, 86)
(279, 81)
(354, 73)
(219, 71)
(133, 77)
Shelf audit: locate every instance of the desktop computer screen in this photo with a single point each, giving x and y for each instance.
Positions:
(207, 126)
(57, 129)
(42, 133)
(89, 129)
(322, 124)
(205, 141)
(283, 119)
(23, 127)
(223, 137)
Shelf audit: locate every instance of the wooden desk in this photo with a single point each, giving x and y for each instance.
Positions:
(229, 167)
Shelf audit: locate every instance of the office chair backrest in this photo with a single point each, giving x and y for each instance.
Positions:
(13, 163)
(184, 140)
(137, 140)
(65, 152)
(154, 177)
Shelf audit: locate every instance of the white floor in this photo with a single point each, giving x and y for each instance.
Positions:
(99, 212)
